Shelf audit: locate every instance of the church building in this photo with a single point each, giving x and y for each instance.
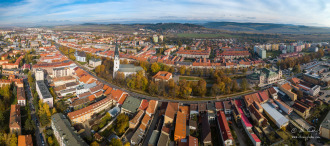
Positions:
(126, 69)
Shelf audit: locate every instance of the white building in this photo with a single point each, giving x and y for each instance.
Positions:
(39, 74)
(43, 93)
(80, 56)
(95, 62)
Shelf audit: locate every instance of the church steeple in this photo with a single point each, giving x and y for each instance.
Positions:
(116, 49)
(116, 61)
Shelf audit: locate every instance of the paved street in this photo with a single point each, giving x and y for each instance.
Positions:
(33, 114)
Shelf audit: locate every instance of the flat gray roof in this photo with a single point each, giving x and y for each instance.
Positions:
(63, 126)
(43, 89)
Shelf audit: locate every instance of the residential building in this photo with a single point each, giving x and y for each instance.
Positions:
(206, 131)
(136, 120)
(324, 129)
(58, 81)
(194, 53)
(260, 51)
(131, 105)
(257, 116)
(114, 111)
(193, 110)
(63, 131)
(273, 93)
(307, 88)
(39, 75)
(86, 113)
(162, 76)
(24, 140)
(193, 141)
(151, 109)
(211, 111)
(171, 110)
(15, 119)
(301, 109)
(153, 138)
(94, 62)
(80, 56)
(283, 106)
(43, 93)
(228, 109)
(287, 89)
(164, 137)
(21, 96)
(117, 96)
(219, 106)
(225, 132)
(62, 71)
(180, 126)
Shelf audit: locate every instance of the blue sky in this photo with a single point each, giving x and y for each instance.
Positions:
(301, 12)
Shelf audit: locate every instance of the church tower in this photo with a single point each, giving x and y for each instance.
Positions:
(116, 61)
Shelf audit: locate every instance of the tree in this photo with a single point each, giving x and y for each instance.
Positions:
(155, 67)
(28, 125)
(188, 71)
(296, 69)
(234, 86)
(115, 142)
(172, 87)
(228, 91)
(153, 88)
(95, 143)
(184, 89)
(201, 88)
(121, 123)
(13, 140)
(182, 70)
(244, 84)
(50, 141)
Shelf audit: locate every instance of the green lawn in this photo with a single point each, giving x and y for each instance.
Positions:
(273, 53)
(189, 78)
(82, 63)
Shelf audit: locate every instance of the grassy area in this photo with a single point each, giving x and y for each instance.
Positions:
(211, 35)
(189, 78)
(82, 63)
(273, 53)
(284, 135)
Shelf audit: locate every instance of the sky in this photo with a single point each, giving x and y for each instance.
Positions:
(298, 12)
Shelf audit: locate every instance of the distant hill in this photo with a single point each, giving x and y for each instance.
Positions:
(266, 28)
(173, 26)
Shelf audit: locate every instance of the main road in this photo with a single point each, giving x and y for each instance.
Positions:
(142, 96)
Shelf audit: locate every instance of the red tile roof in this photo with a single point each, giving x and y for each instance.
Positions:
(172, 108)
(224, 128)
(152, 106)
(219, 105)
(144, 105)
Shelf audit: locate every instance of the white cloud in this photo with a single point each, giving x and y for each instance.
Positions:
(308, 12)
